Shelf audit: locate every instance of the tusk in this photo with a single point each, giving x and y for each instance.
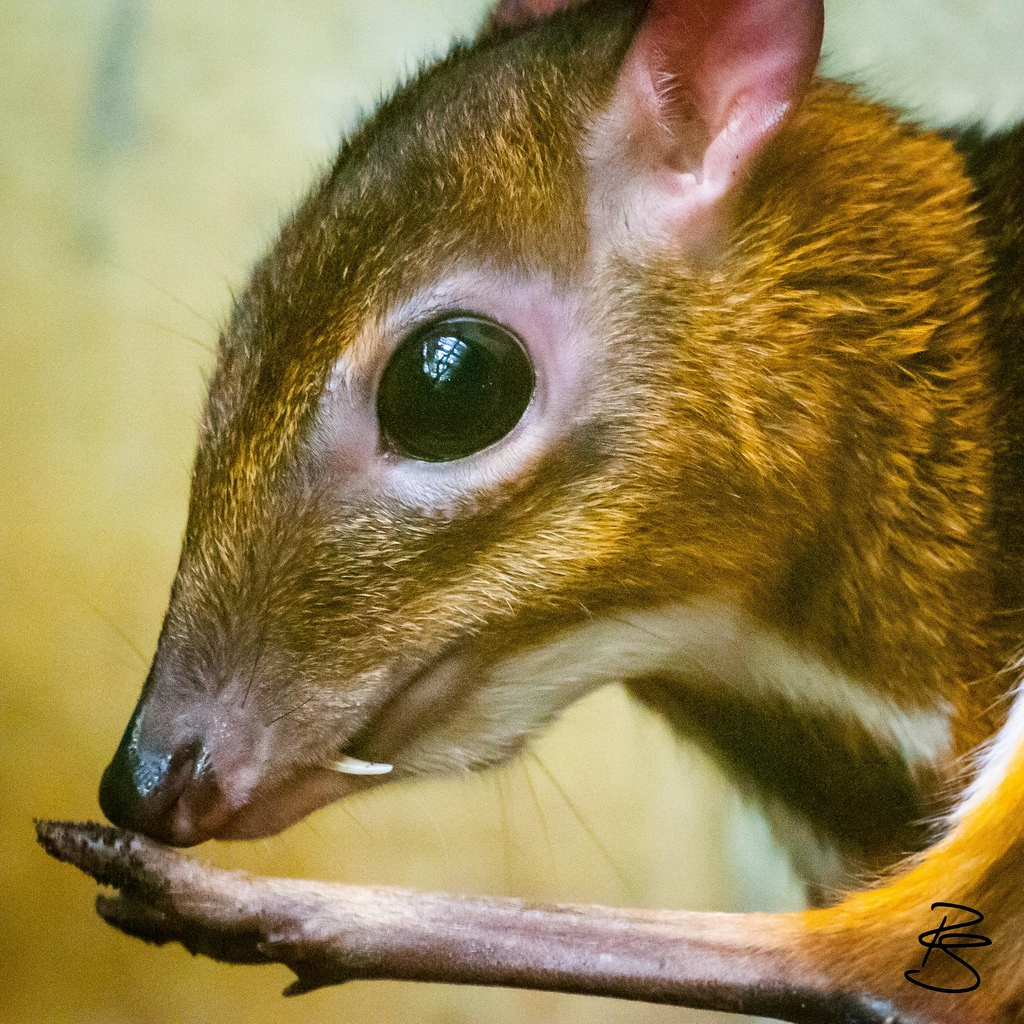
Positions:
(353, 766)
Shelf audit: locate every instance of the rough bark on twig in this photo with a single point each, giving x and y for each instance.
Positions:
(328, 934)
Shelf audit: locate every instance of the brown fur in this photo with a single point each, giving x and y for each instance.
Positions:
(810, 425)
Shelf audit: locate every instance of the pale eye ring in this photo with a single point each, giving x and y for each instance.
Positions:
(452, 388)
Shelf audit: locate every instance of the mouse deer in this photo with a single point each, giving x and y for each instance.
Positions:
(619, 347)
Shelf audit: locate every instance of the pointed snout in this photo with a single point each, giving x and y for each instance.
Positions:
(171, 795)
(183, 774)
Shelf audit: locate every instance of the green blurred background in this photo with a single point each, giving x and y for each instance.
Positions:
(147, 152)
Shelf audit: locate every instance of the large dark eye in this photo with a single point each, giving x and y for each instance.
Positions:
(452, 388)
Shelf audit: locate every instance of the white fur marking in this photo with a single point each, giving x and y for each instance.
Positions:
(715, 644)
(995, 758)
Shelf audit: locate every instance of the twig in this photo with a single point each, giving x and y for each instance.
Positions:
(328, 934)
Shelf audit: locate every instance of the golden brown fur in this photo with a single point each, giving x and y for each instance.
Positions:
(809, 425)
(844, 320)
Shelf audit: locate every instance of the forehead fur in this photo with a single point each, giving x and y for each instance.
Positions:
(476, 160)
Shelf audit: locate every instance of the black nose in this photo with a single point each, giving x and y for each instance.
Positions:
(142, 788)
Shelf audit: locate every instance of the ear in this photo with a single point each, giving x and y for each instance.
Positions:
(515, 13)
(704, 86)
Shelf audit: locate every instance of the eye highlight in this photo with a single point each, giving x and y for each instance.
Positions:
(452, 388)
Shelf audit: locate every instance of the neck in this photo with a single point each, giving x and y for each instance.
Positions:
(864, 520)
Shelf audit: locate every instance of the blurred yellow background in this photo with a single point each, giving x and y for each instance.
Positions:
(147, 152)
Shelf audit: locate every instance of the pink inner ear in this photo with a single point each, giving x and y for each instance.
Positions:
(520, 12)
(729, 61)
(706, 84)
